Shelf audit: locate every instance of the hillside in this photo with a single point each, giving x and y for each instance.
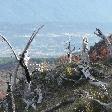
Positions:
(63, 90)
(60, 86)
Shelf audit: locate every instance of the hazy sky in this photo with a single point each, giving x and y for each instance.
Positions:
(33, 11)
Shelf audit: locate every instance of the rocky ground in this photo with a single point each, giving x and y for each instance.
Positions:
(64, 88)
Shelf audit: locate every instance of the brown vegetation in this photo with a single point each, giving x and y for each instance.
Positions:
(99, 51)
(64, 59)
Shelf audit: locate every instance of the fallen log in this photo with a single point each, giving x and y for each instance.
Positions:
(107, 105)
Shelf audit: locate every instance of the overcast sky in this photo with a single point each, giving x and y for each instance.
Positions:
(33, 11)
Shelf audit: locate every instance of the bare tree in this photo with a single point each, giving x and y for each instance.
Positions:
(85, 56)
(105, 38)
(70, 50)
(21, 60)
